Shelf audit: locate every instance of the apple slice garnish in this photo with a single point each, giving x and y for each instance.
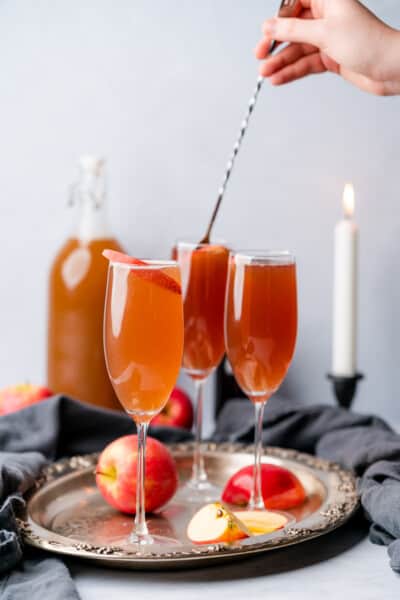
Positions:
(215, 523)
(120, 257)
(261, 522)
(154, 275)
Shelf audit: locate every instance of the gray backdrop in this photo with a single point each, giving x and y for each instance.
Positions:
(160, 88)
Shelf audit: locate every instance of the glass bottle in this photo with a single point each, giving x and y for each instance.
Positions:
(77, 285)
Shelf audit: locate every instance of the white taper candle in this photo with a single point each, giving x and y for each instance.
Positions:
(344, 351)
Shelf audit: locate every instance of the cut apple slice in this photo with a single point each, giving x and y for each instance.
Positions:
(120, 257)
(261, 522)
(215, 523)
(154, 275)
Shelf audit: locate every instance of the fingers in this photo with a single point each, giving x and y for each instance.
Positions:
(304, 31)
(263, 47)
(286, 57)
(297, 61)
(307, 65)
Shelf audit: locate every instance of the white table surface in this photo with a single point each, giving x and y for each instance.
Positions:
(342, 565)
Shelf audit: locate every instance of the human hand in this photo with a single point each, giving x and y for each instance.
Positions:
(340, 36)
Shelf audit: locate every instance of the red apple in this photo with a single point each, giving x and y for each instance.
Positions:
(116, 474)
(281, 489)
(20, 396)
(178, 412)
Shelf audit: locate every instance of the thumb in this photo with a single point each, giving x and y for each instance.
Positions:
(303, 31)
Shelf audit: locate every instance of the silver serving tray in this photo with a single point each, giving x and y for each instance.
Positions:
(67, 515)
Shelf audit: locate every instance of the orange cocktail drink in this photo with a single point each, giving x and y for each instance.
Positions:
(260, 330)
(261, 326)
(204, 272)
(142, 324)
(143, 343)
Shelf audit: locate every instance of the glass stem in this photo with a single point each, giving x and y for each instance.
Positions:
(256, 500)
(199, 474)
(141, 530)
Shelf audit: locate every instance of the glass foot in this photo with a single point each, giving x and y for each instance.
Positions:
(198, 492)
(146, 543)
(120, 531)
(141, 540)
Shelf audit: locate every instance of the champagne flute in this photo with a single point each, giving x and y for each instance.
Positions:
(143, 343)
(203, 271)
(260, 333)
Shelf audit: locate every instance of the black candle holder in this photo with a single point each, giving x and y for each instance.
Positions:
(345, 388)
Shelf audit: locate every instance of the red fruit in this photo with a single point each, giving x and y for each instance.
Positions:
(116, 474)
(20, 396)
(178, 412)
(155, 276)
(215, 523)
(120, 257)
(281, 489)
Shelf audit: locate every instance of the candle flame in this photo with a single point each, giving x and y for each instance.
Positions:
(348, 200)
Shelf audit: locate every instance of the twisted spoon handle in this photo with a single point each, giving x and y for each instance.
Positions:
(288, 8)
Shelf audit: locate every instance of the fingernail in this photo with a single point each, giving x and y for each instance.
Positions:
(269, 27)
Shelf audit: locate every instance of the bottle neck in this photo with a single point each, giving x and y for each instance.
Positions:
(92, 223)
(89, 196)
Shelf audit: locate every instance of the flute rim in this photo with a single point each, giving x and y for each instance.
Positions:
(184, 242)
(278, 257)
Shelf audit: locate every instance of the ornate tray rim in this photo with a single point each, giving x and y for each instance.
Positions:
(331, 515)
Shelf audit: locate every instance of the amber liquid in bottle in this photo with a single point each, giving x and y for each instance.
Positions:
(77, 286)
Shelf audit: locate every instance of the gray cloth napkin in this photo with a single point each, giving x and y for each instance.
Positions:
(61, 427)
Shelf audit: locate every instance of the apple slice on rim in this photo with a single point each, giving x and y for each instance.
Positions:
(120, 257)
(154, 275)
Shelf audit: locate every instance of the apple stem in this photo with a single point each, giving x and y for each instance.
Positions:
(102, 474)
